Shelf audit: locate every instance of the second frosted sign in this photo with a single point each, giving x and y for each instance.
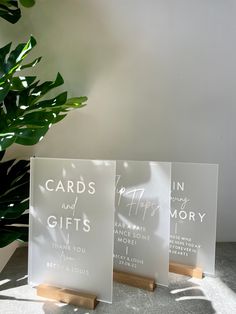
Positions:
(142, 219)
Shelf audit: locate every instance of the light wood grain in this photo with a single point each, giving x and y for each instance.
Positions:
(182, 269)
(134, 280)
(88, 301)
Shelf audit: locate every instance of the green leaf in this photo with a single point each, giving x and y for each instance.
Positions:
(4, 89)
(30, 65)
(27, 3)
(49, 104)
(8, 236)
(19, 54)
(14, 201)
(9, 11)
(76, 101)
(59, 117)
(30, 136)
(19, 83)
(10, 103)
(6, 140)
(42, 89)
(3, 53)
(15, 211)
(6, 2)
(9, 3)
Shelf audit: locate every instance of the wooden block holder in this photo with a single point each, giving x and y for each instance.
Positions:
(88, 301)
(186, 270)
(134, 280)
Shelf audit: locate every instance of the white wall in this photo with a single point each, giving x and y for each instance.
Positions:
(160, 76)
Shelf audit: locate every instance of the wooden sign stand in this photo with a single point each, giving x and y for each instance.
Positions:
(85, 300)
(134, 280)
(186, 270)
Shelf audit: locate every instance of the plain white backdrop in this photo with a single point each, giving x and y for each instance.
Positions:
(160, 76)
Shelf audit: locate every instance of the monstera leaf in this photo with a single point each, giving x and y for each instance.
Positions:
(25, 114)
(10, 11)
(14, 201)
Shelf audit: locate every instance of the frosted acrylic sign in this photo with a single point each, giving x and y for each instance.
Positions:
(193, 215)
(142, 219)
(72, 225)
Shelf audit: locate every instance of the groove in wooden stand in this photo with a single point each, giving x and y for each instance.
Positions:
(187, 270)
(134, 280)
(85, 300)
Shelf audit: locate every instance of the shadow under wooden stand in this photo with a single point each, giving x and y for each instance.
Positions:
(134, 280)
(186, 270)
(88, 301)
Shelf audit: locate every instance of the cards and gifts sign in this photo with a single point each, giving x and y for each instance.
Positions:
(142, 219)
(193, 215)
(71, 225)
(85, 212)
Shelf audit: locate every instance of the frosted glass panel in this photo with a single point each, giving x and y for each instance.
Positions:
(142, 219)
(193, 215)
(72, 224)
